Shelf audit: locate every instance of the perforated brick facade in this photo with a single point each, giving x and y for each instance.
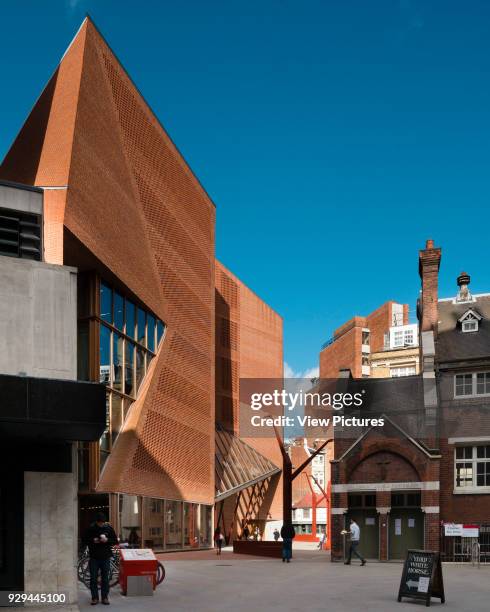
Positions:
(124, 192)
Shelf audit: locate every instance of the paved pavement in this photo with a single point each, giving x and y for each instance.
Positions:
(202, 582)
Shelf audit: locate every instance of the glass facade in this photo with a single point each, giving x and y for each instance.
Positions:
(129, 337)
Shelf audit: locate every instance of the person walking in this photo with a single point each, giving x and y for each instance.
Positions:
(99, 537)
(276, 535)
(287, 535)
(355, 536)
(323, 539)
(218, 539)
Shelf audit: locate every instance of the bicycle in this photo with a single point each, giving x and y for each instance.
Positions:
(83, 569)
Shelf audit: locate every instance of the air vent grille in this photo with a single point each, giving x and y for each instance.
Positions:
(20, 234)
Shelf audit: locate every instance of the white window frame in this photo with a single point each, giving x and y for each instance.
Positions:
(474, 385)
(473, 488)
(469, 326)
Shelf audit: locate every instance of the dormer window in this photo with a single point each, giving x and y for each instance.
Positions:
(469, 321)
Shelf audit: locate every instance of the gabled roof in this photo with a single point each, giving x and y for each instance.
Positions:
(470, 314)
(452, 344)
(307, 501)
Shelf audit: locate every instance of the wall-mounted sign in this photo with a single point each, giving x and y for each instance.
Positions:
(453, 529)
(470, 531)
(422, 576)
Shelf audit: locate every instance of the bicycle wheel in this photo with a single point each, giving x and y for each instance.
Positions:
(114, 571)
(83, 571)
(160, 573)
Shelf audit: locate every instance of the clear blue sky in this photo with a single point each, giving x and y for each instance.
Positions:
(333, 136)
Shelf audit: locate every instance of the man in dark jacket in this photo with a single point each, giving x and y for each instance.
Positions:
(287, 535)
(99, 538)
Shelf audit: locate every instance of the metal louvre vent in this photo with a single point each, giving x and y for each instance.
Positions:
(20, 234)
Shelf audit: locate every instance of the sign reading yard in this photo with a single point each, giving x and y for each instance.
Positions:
(422, 576)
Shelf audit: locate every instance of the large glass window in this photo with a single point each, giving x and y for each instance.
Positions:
(153, 523)
(472, 466)
(191, 529)
(206, 526)
(130, 520)
(129, 337)
(468, 385)
(105, 355)
(105, 303)
(173, 525)
(118, 311)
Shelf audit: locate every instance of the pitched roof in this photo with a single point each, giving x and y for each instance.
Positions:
(452, 344)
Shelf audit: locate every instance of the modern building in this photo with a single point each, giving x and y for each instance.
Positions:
(421, 480)
(382, 344)
(45, 410)
(248, 346)
(123, 210)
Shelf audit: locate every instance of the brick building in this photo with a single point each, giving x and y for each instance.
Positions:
(429, 464)
(123, 208)
(248, 346)
(381, 344)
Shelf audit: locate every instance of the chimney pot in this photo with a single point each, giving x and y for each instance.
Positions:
(429, 244)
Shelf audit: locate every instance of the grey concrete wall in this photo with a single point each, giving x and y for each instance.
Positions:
(50, 533)
(38, 319)
(24, 200)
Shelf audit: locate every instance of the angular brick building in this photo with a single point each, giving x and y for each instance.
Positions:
(122, 206)
(248, 346)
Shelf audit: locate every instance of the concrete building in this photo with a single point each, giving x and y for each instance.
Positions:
(123, 208)
(44, 409)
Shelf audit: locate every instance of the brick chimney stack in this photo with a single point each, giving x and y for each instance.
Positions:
(429, 262)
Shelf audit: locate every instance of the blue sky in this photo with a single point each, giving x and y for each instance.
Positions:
(333, 136)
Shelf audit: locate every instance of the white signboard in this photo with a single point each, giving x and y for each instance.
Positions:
(453, 529)
(398, 526)
(423, 584)
(411, 522)
(370, 520)
(470, 531)
(137, 554)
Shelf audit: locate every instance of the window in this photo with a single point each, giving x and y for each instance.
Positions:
(129, 337)
(365, 337)
(402, 371)
(365, 360)
(398, 338)
(472, 467)
(469, 321)
(409, 337)
(470, 326)
(472, 384)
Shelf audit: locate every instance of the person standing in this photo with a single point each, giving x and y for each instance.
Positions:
(323, 539)
(218, 539)
(99, 537)
(246, 533)
(287, 535)
(276, 535)
(355, 536)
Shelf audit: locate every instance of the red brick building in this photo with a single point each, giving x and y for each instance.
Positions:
(354, 341)
(429, 464)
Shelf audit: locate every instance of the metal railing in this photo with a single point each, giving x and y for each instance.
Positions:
(459, 549)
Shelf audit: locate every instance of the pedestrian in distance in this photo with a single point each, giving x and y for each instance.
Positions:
(218, 539)
(99, 537)
(323, 539)
(276, 535)
(355, 536)
(287, 534)
(245, 533)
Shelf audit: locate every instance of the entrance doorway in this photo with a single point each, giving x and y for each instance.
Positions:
(362, 508)
(11, 531)
(406, 529)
